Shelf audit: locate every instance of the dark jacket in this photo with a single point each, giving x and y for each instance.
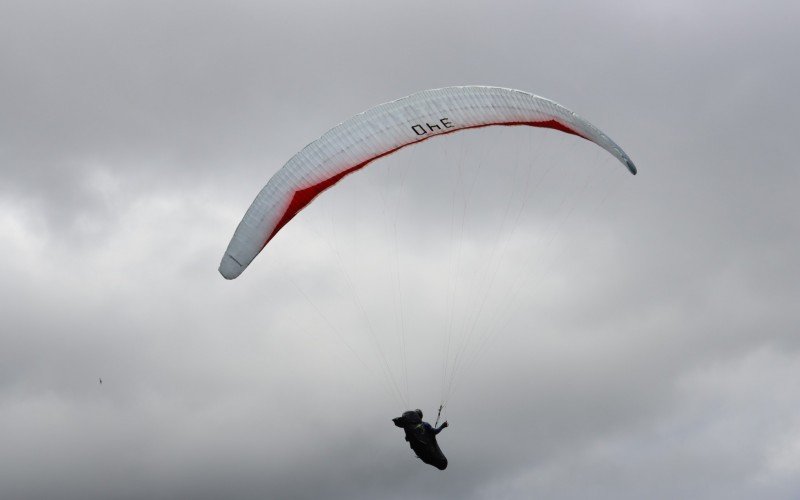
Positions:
(421, 436)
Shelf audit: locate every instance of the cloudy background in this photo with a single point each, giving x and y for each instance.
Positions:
(634, 337)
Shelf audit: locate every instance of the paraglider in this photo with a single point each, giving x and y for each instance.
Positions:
(378, 132)
(421, 436)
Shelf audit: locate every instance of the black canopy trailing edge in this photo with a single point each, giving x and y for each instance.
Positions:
(422, 438)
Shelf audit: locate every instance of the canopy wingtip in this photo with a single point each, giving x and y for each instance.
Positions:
(230, 268)
(631, 166)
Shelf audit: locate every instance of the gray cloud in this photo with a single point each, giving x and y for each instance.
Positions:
(640, 332)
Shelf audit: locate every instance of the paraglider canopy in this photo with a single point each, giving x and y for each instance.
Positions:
(383, 130)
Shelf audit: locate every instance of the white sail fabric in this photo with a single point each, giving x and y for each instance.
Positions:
(382, 130)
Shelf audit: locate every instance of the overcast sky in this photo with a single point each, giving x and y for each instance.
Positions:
(627, 337)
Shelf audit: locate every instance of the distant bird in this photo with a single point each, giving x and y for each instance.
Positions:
(100, 380)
